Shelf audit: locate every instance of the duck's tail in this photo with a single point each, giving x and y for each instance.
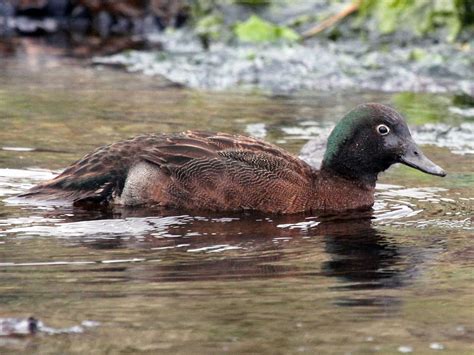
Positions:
(75, 191)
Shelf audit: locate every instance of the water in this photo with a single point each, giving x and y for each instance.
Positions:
(397, 280)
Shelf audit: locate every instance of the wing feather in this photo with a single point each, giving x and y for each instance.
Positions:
(101, 174)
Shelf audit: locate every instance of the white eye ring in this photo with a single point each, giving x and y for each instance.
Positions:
(383, 130)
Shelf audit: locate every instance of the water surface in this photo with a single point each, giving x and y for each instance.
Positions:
(394, 280)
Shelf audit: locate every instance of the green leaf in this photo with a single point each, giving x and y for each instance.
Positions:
(287, 34)
(256, 29)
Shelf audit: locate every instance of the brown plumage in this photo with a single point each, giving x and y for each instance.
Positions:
(223, 172)
(194, 170)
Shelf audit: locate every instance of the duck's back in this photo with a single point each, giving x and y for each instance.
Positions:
(192, 170)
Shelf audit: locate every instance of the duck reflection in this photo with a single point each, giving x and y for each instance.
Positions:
(209, 247)
(346, 255)
(365, 259)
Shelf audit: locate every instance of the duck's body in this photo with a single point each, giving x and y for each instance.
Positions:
(203, 170)
(223, 172)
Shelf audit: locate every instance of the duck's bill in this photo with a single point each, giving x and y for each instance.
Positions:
(415, 158)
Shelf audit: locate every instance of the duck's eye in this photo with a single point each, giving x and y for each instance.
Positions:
(383, 130)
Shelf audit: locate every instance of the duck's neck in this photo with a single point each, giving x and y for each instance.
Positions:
(336, 192)
(350, 170)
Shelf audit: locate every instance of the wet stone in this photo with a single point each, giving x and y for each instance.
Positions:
(19, 326)
(29, 326)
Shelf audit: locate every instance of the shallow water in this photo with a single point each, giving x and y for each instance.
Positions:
(398, 279)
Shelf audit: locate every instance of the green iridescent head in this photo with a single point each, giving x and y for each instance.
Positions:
(368, 140)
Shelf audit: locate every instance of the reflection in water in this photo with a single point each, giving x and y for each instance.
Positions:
(365, 261)
(350, 250)
(178, 248)
(366, 258)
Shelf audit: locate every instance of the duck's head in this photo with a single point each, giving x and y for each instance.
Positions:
(368, 140)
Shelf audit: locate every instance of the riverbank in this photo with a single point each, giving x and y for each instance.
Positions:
(270, 46)
(320, 64)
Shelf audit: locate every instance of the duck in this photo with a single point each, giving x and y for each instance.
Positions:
(200, 170)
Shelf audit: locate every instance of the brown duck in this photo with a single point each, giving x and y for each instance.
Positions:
(222, 172)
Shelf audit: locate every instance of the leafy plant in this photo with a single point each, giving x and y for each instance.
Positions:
(255, 29)
(420, 16)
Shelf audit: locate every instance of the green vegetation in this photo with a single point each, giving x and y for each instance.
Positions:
(257, 30)
(420, 16)
(248, 20)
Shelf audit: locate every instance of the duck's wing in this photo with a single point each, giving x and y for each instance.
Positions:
(223, 172)
(177, 151)
(100, 175)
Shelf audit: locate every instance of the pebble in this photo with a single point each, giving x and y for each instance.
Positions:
(405, 349)
(436, 346)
